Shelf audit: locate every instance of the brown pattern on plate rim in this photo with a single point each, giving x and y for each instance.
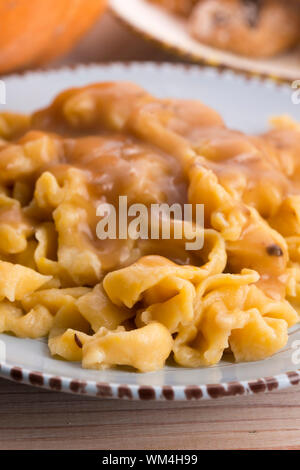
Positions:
(124, 392)
(146, 392)
(36, 378)
(78, 386)
(105, 390)
(55, 383)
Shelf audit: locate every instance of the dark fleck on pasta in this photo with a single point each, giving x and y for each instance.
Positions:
(274, 250)
(77, 341)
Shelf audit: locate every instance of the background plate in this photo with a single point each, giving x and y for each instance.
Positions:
(170, 32)
(246, 105)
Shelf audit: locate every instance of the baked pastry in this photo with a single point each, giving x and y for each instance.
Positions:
(254, 28)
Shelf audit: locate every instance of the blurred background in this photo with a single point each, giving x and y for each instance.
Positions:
(47, 33)
(51, 33)
(111, 40)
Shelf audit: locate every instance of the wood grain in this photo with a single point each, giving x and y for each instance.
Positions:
(38, 419)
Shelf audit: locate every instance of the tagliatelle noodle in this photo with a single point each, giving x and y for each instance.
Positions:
(126, 301)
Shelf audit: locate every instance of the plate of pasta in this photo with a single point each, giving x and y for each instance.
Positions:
(256, 37)
(140, 313)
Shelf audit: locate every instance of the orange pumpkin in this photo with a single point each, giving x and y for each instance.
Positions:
(35, 31)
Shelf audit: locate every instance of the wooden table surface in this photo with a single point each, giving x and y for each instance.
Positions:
(31, 418)
(38, 419)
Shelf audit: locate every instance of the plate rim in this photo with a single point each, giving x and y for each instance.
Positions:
(114, 390)
(134, 392)
(190, 56)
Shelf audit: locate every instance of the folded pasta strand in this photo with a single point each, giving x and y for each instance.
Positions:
(135, 302)
(145, 349)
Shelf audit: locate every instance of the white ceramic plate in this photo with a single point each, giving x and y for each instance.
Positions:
(170, 32)
(246, 105)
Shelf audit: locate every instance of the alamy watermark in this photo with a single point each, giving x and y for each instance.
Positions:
(296, 352)
(296, 93)
(2, 92)
(2, 351)
(157, 222)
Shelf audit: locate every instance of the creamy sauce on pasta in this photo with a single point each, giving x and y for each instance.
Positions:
(259, 172)
(132, 302)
